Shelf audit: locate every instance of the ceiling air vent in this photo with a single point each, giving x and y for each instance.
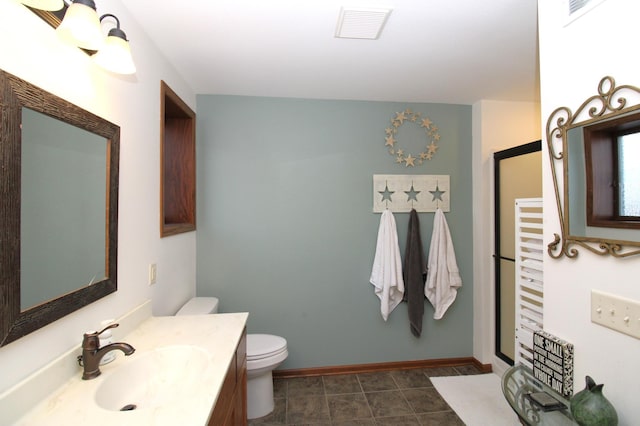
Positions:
(364, 23)
(576, 5)
(577, 8)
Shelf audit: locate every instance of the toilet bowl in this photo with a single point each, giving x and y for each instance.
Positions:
(265, 352)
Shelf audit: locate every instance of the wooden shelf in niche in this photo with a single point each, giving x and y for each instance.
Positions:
(177, 164)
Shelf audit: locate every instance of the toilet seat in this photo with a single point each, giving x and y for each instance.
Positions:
(261, 346)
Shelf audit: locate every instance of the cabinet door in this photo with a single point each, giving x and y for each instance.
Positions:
(240, 414)
(241, 385)
(231, 407)
(226, 400)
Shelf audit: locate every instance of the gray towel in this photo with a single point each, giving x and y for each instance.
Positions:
(414, 272)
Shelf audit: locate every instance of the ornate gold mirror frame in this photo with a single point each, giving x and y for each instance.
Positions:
(611, 102)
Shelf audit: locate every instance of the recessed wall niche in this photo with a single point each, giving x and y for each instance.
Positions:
(177, 164)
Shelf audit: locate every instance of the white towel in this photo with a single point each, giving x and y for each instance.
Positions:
(386, 274)
(443, 277)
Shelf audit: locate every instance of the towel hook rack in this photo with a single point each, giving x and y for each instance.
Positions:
(424, 193)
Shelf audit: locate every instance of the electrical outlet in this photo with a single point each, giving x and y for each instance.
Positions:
(615, 312)
(153, 270)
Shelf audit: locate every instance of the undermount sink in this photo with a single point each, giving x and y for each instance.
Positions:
(153, 379)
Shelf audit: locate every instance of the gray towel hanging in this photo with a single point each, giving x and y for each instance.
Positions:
(414, 272)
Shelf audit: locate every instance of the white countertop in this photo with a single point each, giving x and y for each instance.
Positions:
(74, 404)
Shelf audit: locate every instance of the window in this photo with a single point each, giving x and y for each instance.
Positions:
(629, 175)
(613, 177)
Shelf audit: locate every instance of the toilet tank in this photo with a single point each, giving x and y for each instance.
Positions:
(199, 306)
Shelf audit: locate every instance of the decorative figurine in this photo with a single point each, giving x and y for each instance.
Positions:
(589, 407)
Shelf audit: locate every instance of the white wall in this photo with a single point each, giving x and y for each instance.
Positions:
(30, 49)
(573, 59)
(497, 125)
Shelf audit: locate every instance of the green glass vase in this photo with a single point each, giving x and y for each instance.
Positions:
(589, 407)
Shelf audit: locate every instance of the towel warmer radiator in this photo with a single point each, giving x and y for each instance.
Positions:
(529, 282)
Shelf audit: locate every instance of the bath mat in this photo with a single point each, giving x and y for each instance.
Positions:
(477, 399)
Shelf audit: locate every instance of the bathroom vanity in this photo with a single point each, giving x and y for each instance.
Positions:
(185, 370)
(231, 405)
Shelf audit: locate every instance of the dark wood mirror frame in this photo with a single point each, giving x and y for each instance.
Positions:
(16, 93)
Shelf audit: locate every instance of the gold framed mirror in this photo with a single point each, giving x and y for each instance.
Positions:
(59, 168)
(597, 188)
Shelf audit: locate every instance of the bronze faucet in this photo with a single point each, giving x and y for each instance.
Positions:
(92, 353)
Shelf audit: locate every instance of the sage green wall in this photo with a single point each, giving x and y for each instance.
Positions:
(286, 229)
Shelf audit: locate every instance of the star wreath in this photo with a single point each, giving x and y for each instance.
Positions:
(430, 129)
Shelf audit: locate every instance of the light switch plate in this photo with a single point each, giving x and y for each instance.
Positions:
(153, 271)
(615, 312)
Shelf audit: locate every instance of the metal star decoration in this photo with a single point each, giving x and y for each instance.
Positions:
(409, 161)
(431, 131)
(432, 148)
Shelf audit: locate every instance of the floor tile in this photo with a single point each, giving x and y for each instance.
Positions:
(307, 409)
(398, 421)
(442, 418)
(425, 400)
(277, 417)
(411, 379)
(300, 386)
(381, 381)
(280, 388)
(310, 424)
(468, 370)
(349, 406)
(359, 422)
(441, 371)
(344, 383)
(396, 398)
(388, 403)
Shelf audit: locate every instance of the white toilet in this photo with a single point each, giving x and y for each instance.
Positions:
(265, 352)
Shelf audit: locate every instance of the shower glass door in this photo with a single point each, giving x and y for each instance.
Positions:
(517, 174)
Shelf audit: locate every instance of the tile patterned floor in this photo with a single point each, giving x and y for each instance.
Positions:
(397, 398)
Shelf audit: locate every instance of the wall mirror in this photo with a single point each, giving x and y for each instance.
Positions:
(593, 154)
(59, 210)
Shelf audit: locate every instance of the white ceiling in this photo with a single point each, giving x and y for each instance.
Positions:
(429, 51)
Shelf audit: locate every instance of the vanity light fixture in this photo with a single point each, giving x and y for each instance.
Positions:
(115, 54)
(50, 5)
(81, 27)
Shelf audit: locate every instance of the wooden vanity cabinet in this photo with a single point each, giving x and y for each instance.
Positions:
(231, 406)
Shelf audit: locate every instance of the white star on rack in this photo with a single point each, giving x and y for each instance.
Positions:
(386, 194)
(437, 194)
(412, 194)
